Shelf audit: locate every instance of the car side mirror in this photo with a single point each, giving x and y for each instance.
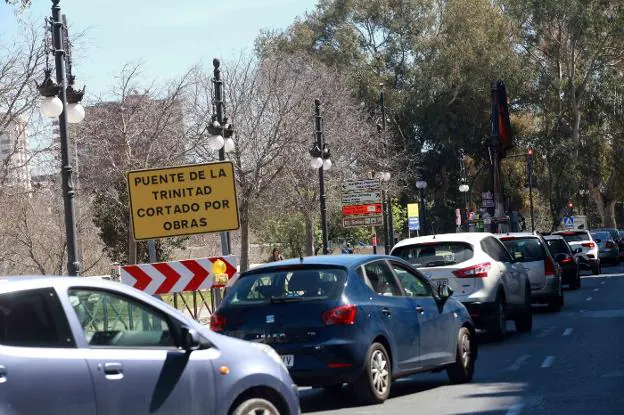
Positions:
(191, 340)
(444, 292)
(598, 241)
(578, 250)
(518, 256)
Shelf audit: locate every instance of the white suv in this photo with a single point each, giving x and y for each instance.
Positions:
(482, 273)
(588, 255)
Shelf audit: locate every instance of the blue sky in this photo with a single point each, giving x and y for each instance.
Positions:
(168, 36)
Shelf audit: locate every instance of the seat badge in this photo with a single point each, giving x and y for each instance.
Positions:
(270, 318)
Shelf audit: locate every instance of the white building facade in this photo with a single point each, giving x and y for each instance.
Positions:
(14, 169)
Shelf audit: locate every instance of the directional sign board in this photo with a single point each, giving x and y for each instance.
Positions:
(185, 200)
(361, 203)
(568, 222)
(413, 223)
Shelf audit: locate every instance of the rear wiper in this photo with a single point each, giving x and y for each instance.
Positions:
(439, 263)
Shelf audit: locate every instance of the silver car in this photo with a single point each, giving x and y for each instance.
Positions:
(81, 346)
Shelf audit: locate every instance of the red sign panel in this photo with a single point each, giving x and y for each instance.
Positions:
(351, 210)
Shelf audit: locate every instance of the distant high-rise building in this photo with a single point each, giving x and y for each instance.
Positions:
(14, 169)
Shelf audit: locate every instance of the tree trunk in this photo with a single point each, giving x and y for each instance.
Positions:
(606, 208)
(309, 235)
(244, 222)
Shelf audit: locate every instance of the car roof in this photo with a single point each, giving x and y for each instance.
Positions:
(550, 237)
(347, 261)
(470, 237)
(518, 235)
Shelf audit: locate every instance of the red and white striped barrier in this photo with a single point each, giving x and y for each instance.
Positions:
(179, 276)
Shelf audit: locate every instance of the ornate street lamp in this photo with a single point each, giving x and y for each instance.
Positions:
(63, 101)
(321, 161)
(422, 185)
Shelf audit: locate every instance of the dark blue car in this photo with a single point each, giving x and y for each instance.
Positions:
(358, 319)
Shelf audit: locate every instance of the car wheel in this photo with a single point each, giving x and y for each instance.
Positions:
(576, 283)
(595, 268)
(556, 303)
(373, 386)
(256, 406)
(498, 326)
(524, 322)
(463, 369)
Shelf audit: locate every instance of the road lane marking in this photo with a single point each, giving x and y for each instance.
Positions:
(567, 331)
(518, 363)
(588, 299)
(548, 361)
(596, 289)
(602, 282)
(546, 331)
(515, 409)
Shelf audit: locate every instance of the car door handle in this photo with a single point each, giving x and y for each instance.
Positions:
(113, 370)
(420, 309)
(3, 374)
(386, 311)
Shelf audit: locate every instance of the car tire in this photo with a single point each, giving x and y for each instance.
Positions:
(524, 322)
(462, 370)
(256, 405)
(556, 303)
(373, 385)
(497, 328)
(576, 282)
(595, 268)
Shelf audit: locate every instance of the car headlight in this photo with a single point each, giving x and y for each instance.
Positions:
(271, 353)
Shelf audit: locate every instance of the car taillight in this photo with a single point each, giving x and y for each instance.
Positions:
(343, 315)
(475, 271)
(566, 260)
(217, 322)
(549, 267)
(589, 245)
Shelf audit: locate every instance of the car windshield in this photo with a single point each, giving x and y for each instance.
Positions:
(287, 285)
(602, 236)
(557, 246)
(435, 254)
(530, 248)
(575, 236)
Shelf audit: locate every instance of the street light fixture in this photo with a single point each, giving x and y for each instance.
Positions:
(422, 185)
(63, 101)
(321, 161)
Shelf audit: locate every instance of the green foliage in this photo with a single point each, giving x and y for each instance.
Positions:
(286, 232)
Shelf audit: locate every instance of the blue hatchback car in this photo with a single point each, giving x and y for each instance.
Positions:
(358, 319)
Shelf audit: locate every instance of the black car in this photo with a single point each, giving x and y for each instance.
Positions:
(565, 256)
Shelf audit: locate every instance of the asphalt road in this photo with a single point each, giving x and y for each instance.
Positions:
(571, 363)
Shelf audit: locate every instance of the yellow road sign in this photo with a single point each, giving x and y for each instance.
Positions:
(185, 200)
(412, 210)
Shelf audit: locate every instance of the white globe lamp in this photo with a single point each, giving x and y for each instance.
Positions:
(51, 107)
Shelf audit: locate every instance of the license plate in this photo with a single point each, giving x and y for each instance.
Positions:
(288, 359)
(440, 282)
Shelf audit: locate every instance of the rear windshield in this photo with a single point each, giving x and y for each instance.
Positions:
(435, 254)
(287, 285)
(557, 246)
(575, 236)
(603, 236)
(531, 248)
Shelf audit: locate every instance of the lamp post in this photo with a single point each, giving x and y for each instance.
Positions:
(221, 134)
(321, 161)
(387, 211)
(530, 182)
(422, 185)
(63, 101)
(464, 187)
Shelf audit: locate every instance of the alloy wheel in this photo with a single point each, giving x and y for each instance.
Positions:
(379, 372)
(465, 350)
(261, 411)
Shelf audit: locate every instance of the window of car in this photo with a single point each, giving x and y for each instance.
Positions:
(113, 320)
(413, 285)
(530, 247)
(380, 279)
(34, 318)
(579, 236)
(435, 254)
(601, 236)
(557, 246)
(494, 248)
(288, 284)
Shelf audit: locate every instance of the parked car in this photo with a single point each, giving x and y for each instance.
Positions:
(566, 257)
(617, 238)
(588, 257)
(78, 346)
(482, 273)
(363, 320)
(544, 272)
(608, 249)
